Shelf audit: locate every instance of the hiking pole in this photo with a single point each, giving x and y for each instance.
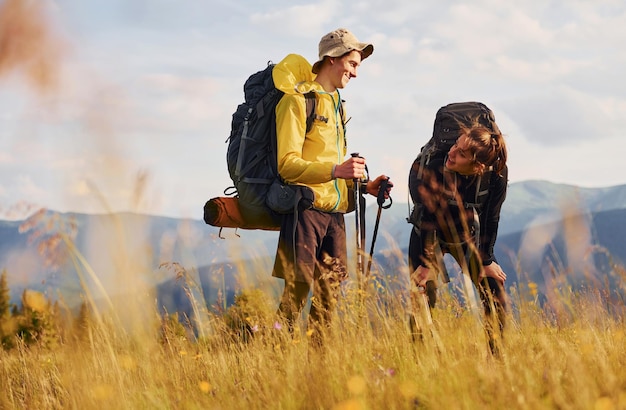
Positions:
(425, 305)
(380, 199)
(357, 212)
(362, 227)
(420, 317)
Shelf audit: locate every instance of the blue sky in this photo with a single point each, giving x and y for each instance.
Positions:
(146, 90)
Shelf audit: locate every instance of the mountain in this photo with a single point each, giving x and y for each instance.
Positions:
(539, 201)
(113, 251)
(581, 249)
(527, 204)
(541, 224)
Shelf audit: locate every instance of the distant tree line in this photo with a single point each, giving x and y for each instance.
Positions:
(38, 321)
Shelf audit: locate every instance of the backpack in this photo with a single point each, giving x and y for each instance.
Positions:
(448, 122)
(251, 154)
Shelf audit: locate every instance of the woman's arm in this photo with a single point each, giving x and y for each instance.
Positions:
(490, 217)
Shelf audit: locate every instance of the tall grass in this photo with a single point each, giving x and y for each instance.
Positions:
(370, 361)
(567, 352)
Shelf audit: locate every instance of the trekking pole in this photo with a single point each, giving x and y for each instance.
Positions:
(426, 314)
(357, 212)
(380, 199)
(420, 318)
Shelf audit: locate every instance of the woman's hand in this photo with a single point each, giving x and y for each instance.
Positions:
(493, 270)
(373, 186)
(421, 275)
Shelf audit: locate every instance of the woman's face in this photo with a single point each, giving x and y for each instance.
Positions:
(460, 159)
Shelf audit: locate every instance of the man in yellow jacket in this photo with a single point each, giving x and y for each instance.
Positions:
(312, 250)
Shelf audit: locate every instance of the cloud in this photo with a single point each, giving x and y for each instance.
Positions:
(5, 158)
(178, 104)
(79, 187)
(152, 85)
(27, 188)
(401, 45)
(561, 116)
(294, 19)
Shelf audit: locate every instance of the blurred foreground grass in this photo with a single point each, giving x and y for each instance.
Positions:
(572, 359)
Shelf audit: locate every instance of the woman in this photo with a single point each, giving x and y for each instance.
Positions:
(461, 194)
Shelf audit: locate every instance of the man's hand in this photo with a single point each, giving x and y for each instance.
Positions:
(493, 270)
(353, 167)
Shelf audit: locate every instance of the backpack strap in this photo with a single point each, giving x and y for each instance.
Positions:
(482, 189)
(342, 114)
(425, 155)
(311, 115)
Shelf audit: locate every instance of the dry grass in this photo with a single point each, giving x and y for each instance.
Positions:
(570, 356)
(566, 354)
(370, 362)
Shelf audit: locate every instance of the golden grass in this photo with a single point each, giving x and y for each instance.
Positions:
(570, 356)
(369, 362)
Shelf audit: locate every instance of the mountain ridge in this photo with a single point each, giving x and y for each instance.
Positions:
(153, 240)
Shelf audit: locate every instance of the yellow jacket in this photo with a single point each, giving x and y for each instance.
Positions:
(308, 159)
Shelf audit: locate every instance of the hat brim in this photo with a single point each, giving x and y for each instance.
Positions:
(366, 50)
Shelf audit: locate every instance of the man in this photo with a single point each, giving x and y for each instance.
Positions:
(312, 250)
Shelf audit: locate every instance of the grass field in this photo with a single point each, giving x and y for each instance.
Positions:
(572, 357)
(566, 352)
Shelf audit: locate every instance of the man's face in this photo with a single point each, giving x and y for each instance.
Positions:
(344, 68)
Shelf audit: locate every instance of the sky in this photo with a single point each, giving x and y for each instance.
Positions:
(125, 105)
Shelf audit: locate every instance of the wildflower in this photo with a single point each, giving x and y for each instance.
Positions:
(204, 386)
(309, 332)
(350, 404)
(102, 391)
(587, 349)
(390, 372)
(357, 385)
(127, 362)
(277, 326)
(604, 403)
(255, 328)
(409, 389)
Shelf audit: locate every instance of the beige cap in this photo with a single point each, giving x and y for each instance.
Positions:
(339, 42)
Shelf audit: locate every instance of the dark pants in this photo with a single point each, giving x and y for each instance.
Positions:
(314, 255)
(491, 293)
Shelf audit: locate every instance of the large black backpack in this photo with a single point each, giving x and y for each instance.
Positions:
(448, 122)
(251, 155)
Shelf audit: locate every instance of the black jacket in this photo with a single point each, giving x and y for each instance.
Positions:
(441, 192)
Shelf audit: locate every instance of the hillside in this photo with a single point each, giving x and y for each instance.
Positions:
(540, 222)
